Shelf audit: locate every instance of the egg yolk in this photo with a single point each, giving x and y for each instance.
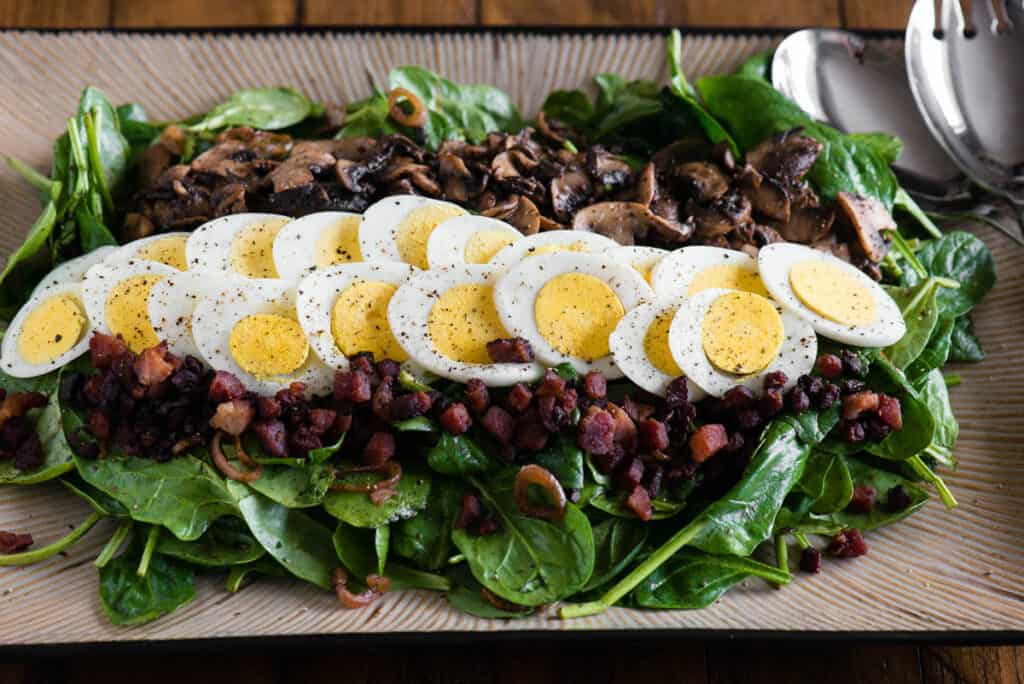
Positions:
(51, 329)
(169, 251)
(266, 345)
(832, 292)
(463, 320)
(339, 243)
(252, 251)
(644, 269)
(576, 313)
(656, 344)
(415, 230)
(359, 321)
(127, 311)
(484, 244)
(555, 247)
(728, 277)
(741, 333)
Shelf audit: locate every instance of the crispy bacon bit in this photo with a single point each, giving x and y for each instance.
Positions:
(455, 419)
(863, 499)
(551, 385)
(519, 398)
(596, 431)
(233, 417)
(477, 396)
(630, 474)
(897, 499)
(13, 542)
(353, 386)
(707, 441)
(469, 512)
(856, 404)
(890, 411)
(653, 435)
(594, 385)
(530, 433)
(225, 387)
(625, 428)
(29, 454)
(639, 501)
(103, 349)
(273, 437)
(17, 404)
(381, 401)
(154, 365)
(379, 449)
(848, 544)
(410, 405)
(636, 410)
(556, 411)
(321, 420)
(98, 423)
(499, 423)
(510, 350)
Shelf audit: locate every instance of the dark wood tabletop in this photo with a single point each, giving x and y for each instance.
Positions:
(537, 661)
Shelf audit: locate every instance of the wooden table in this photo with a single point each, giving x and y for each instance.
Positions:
(538, 661)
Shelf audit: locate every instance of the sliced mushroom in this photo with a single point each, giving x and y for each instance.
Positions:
(503, 167)
(768, 197)
(227, 159)
(680, 152)
(703, 181)
(350, 174)
(524, 159)
(228, 199)
(787, 156)
(623, 222)
(518, 211)
(868, 217)
(807, 225)
(305, 161)
(607, 169)
(833, 246)
(549, 224)
(569, 192)
(755, 235)
(551, 129)
(355, 149)
(401, 167)
(646, 187)
(723, 215)
(801, 196)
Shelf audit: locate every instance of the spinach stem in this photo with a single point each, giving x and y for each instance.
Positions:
(907, 202)
(456, 559)
(801, 540)
(952, 380)
(33, 177)
(51, 550)
(947, 283)
(147, 551)
(781, 556)
(903, 248)
(95, 162)
(638, 575)
(120, 534)
(928, 475)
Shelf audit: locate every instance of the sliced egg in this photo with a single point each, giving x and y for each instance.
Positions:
(166, 248)
(116, 296)
(173, 300)
(468, 240)
(567, 305)
(73, 270)
(316, 241)
(690, 270)
(398, 228)
(643, 259)
(444, 318)
(251, 329)
(240, 244)
(640, 348)
(837, 299)
(50, 330)
(723, 338)
(551, 241)
(344, 310)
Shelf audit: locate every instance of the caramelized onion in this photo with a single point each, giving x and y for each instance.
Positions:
(242, 456)
(417, 118)
(390, 471)
(230, 471)
(377, 585)
(535, 475)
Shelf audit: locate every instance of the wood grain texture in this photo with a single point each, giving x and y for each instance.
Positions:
(979, 665)
(876, 14)
(203, 13)
(55, 13)
(388, 12)
(852, 664)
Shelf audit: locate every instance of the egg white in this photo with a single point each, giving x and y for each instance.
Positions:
(516, 292)
(379, 230)
(295, 246)
(775, 262)
(11, 360)
(630, 355)
(672, 276)
(796, 356)
(104, 277)
(641, 258)
(209, 247)
(319, 290)
(408, 315)
(447, 243)
(73, 270)
(131, 249)
(216, 316)
(515, 253)
(173, 300)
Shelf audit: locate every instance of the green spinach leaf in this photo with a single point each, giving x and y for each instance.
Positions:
(564, 460)
(355, 549)
(681, 88)
(132, 600)
(240, 575)
(460, 455)
(356, 508)
(614, 503)
(426, 538)
(465, 595)
(617, 541)
(268, 109)
(295, 487)
(920, 310)
(933, 391)
(758, 66)
(961, 257)
(57, 456)
(692, 580)
(105, 505)
(827, 481)
(935, 353)
(964, 345)
(227, 542)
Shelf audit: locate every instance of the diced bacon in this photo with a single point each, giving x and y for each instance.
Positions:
(707, 441)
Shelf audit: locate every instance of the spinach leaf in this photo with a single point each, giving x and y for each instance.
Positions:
(92, 233)
(227, 542)
(887, 147)
(355, 549)
(107, 506)
(268, 109)
(935, 353)
(57, 456)
(621, 102)
(617, 541)
(465, 595)
(964, 345)
(757, 66)
(426, 538)
(417, 424)
(932, 388)
(356, 508)
(692, 580)
(572, 107)
(681, 88)
(614, 503)
(325, 452)
(369, 118)
(107, 148)
(295, 487)
(23, 271)
(813, 426)
(381, 541)
(827, 481)
(239, 575)
(961, 257)
(564, 460)
(299, 543)
(918, 422)
(920, 310)
(528, 561)
(460, 455)
(37, 180)
(135, 127)
(132, 600)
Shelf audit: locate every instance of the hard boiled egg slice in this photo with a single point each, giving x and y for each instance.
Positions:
(639, 346)
(316, 241)
(468, 240)
(173, 300)
(344, 310)
(567, 305)
(725, 338)
(551, 241)
(166, 248)
(116, 296)
(837, 299)
(643, 259)
(240, 244)
(251, 330)
(444, 319)
(73, 270)
(398, 228)
(689, 270)
(49, 331)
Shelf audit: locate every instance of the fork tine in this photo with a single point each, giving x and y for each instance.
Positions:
(967, 12)
(1001, 22)
(937, 30)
